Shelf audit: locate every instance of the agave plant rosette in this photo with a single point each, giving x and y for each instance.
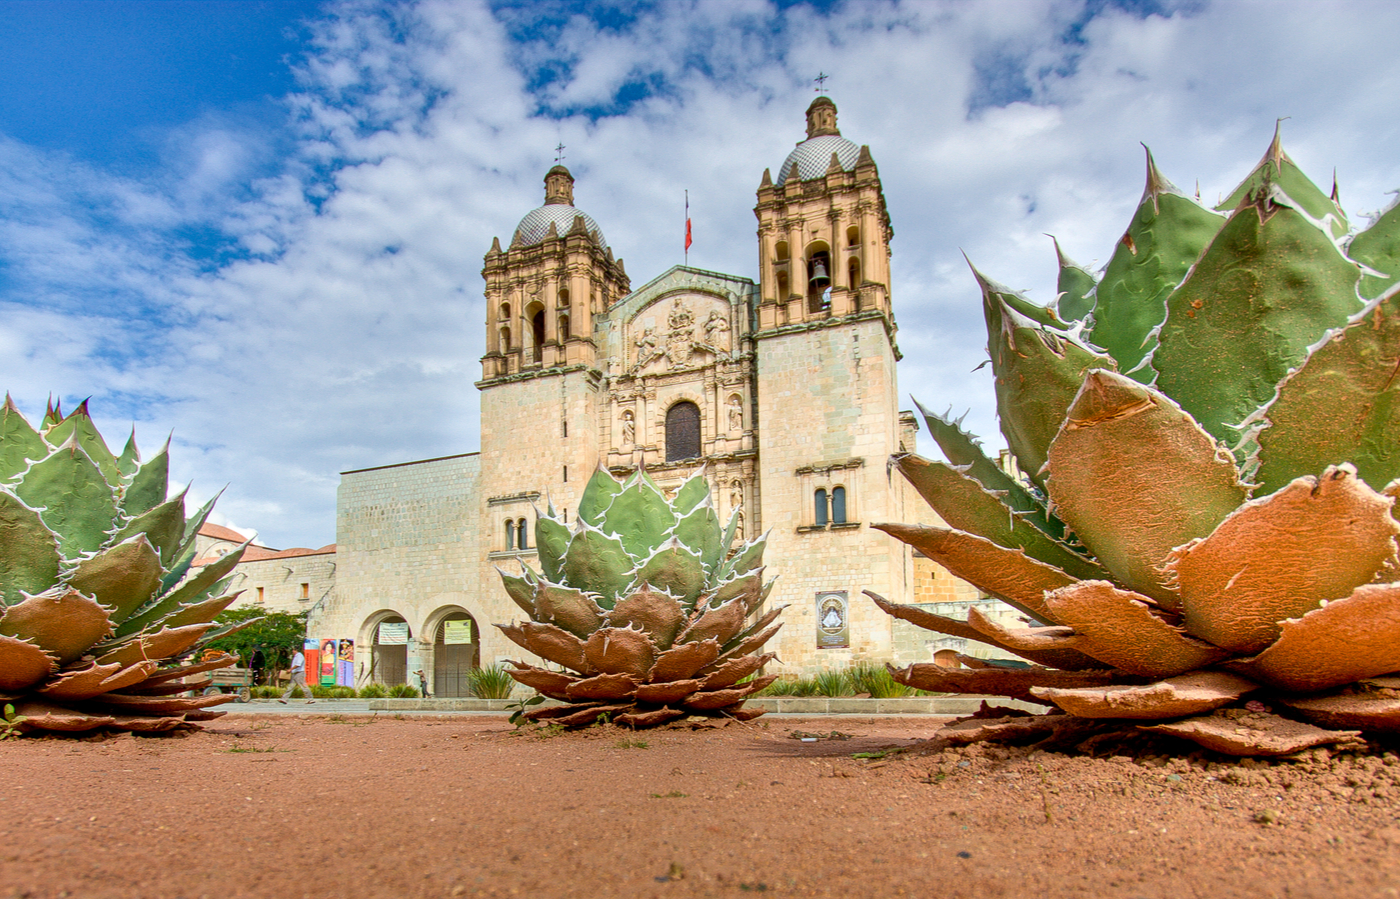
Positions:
(642, 603)
(1204, 542)
(96, 607)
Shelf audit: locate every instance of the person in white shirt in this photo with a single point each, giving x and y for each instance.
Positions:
(298, 678)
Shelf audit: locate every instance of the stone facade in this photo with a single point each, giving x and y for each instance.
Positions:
(784, 389)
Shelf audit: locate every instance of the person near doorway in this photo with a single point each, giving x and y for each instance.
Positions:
(422, 683)
(298, 679)
(257, 663)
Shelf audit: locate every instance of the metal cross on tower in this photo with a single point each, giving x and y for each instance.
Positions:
(821, 82)
(559, 153)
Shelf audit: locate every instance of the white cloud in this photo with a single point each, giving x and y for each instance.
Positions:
(348, 332)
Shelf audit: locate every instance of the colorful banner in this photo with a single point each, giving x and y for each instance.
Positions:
(311, 649)
(393, 633)
(457, 632)
(345, 671)
(328, 660)
(833, 629)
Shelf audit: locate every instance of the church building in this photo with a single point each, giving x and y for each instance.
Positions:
(783, 388)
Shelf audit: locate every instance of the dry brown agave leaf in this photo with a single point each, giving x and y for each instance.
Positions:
(603, 687)
(163, 675)
(576, 716)
(163, 644)
(62, 621)
(730, 671)
(569, 608)
(654, 612)
(668, 691)
(747, 645)
(721, 623)
(1342, 642)
(1120, 628)
(551, 684)
(1278, 557)
(683, 660)
(727, 696)
(620, 651)
(1258, 734)
(1367, 712)
(640, 719)
(1061, 656)
(997, 682)
(1010, 575)
(93, 679)
(552, 643)
(159, 725)
(135, 703)
(1184, 695)
(974, 731)
(1177, 471)
(41, 716)
(22, 664)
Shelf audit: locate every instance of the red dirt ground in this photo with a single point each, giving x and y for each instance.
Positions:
(466, 806)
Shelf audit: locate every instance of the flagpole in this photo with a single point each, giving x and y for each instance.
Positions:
(687, 228)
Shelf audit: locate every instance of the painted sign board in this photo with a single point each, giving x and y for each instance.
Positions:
(328, 661)
(393, 633)
(458, 632)
(833, 625)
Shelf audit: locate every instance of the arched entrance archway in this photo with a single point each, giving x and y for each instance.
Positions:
(456, 652)
(389, 655)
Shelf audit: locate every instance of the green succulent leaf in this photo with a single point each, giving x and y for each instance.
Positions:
(1074, 289)
(640, 516)
(29, 558)
(123, 578)
(964, 504)
(748, 558)
(1276, 169)
(195, 589)
(1038, 372)
(699, 530)
(148, 486)
(1378, 248)
(964, 452)
(80, 425)
(19, 442)
(598, 495)
(520, 590)
(1269, 285)
(598, 562)
(692, 492)
(74, 500)
(569, 608)
(164, 525)
(1342, 404)
(1167, 234)
(130, 459)
(552, 541)
(1178, 474)
(675, 569)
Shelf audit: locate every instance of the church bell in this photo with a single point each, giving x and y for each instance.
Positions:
(820, 280)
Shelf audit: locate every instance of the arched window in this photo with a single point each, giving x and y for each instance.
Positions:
(505, 339)
(818, 278)
(682, 431)
(563, 298)
(853, 236)
(781, 252)
(563, 328)
(820, 508)
(853, 270)
(537, 326)
(838, 506)
(505, 312)
(522, 536)
(510, 534)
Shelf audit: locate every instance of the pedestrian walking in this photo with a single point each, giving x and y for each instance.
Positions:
(422, 682)
(298, 678)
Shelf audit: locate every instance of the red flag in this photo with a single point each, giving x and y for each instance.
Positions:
(687, 234)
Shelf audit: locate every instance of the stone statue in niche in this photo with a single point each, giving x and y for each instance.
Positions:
(736, 494)
(717, 332)
(736, 414)
(629, 428)
(739, 530)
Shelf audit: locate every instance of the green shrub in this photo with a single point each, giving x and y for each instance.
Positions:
(491, 682)
(296, 694)
(265, 692)
(323, 691)
(343, 692)
(373, 691)
(874, 679)
(403, 691)
(832, 683)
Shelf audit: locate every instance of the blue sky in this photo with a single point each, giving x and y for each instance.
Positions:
(261, 224)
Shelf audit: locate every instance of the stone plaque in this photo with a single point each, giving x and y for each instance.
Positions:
(833, 627)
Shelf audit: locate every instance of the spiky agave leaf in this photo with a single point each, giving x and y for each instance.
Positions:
(640, 596)
(92, 559)
(1294, 591)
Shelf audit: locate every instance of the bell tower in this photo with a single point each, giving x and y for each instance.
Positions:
(823, 230)
(827, 396)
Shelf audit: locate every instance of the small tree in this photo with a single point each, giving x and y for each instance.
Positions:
(278, 634)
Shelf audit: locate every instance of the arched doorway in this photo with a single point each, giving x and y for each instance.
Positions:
(389, 661)
(456, 651)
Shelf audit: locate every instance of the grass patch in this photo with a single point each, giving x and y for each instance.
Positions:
(403, 691)
(630, 745)
(669, 795)
(251, 750)
(491, 682)
(876, 680)
(373, 691)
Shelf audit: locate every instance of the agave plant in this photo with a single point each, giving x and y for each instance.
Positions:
(644, 606)
(93, 564)
(1203, 543)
